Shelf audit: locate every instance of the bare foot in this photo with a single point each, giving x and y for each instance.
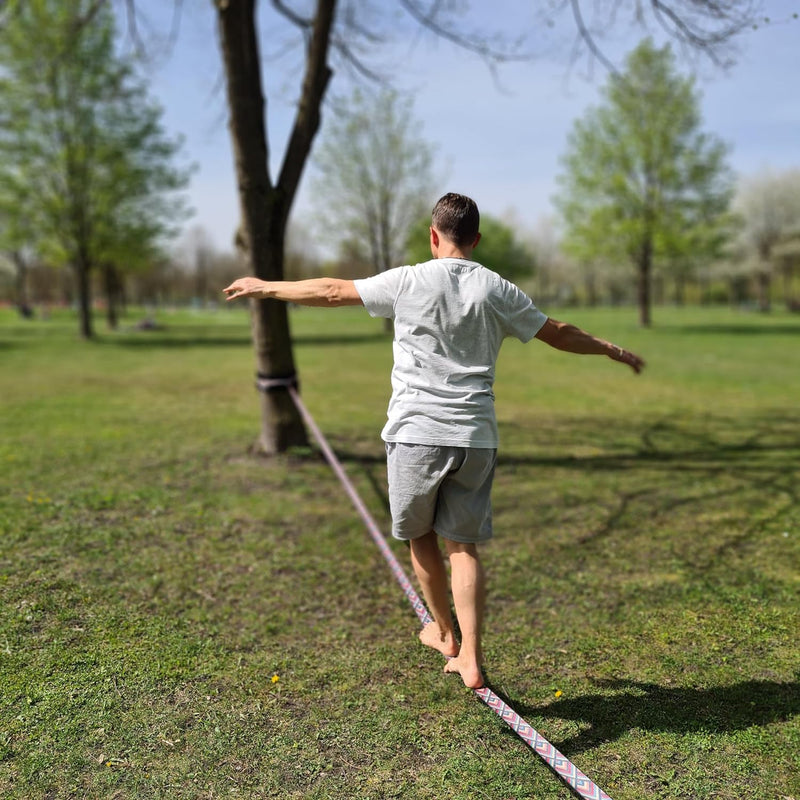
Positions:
(432, 636)
(469, 671)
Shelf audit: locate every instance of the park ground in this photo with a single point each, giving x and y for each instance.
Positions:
(180, 618)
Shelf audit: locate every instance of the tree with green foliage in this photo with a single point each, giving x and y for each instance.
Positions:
(642, 182)
(374, 175)
(87, 173)
(499, 248)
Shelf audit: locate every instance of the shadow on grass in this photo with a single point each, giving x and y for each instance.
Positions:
(684, 463)
(164, 339)
(687, 444)
(628, 704)
(777, 329)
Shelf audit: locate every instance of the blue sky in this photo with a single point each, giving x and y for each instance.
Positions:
(498, 138)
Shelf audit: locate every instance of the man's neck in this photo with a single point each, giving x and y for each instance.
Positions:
(449, 250)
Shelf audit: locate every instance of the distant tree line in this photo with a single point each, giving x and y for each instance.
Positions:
(759, 267)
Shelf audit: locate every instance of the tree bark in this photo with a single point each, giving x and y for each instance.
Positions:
(82, 273)
(265, 206)
(645, 281)
(764, 290)
(22, 284)
(113, 289)
(788, 269)
(764, 275)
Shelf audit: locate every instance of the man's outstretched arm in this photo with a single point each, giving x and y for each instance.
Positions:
(564, 336)
(312, 292)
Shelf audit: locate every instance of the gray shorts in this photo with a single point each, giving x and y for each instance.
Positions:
(442, 489)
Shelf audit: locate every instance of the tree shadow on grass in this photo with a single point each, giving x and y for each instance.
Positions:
(776, 329)
(186, 337)
(159, 341)
(682, 463)
(627, 704)
(700, 444)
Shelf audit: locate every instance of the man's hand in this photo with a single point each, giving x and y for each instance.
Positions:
(626, 357)
(245, 287)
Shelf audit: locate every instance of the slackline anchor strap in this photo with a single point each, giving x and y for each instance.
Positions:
(274, 383)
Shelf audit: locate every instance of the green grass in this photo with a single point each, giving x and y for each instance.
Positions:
(155, 576)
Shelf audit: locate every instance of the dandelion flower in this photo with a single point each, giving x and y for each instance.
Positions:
(559, 693)
(275, 678)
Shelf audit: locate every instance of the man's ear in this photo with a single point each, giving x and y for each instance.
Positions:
(475, 243)
(434, 242)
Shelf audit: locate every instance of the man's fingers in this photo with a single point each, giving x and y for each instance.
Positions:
(636, 363)
(236, 289)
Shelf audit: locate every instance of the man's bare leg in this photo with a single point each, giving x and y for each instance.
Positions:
(468, 586)
(429, 568)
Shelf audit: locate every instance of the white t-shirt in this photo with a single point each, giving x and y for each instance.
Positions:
(450, 318)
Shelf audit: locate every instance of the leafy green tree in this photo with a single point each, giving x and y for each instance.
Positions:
(499, 249)
(86, 167)
(641, 181)
(374, 176)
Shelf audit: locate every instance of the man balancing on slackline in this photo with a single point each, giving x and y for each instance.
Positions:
(450, 316)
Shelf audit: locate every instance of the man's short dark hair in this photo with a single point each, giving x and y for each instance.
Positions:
(456, 217)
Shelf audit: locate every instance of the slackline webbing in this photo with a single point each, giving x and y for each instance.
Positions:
(559, 763)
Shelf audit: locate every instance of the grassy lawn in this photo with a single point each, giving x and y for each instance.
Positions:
(181, 619)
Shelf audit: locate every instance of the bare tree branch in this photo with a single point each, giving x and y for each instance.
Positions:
(315, 82)
(133, 31)
(304, 23)
(704, 27)
(350, 58)
(133, 14)
(346, 19)
(478, 45)
(684, 28)
(90, 14)
(588, 39)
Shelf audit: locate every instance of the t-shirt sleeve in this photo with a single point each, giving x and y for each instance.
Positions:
(379, 292)
(523, 319)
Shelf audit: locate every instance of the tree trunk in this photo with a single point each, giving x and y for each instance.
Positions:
(788, 270)
(113, 291)
(84, 296)
(645, 281)
(590, 284)
(264, 216)
(763, 290)
(281, 424)
(21, 264)
(764, 275)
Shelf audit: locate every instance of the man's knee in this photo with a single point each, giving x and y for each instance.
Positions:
(468, 548)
